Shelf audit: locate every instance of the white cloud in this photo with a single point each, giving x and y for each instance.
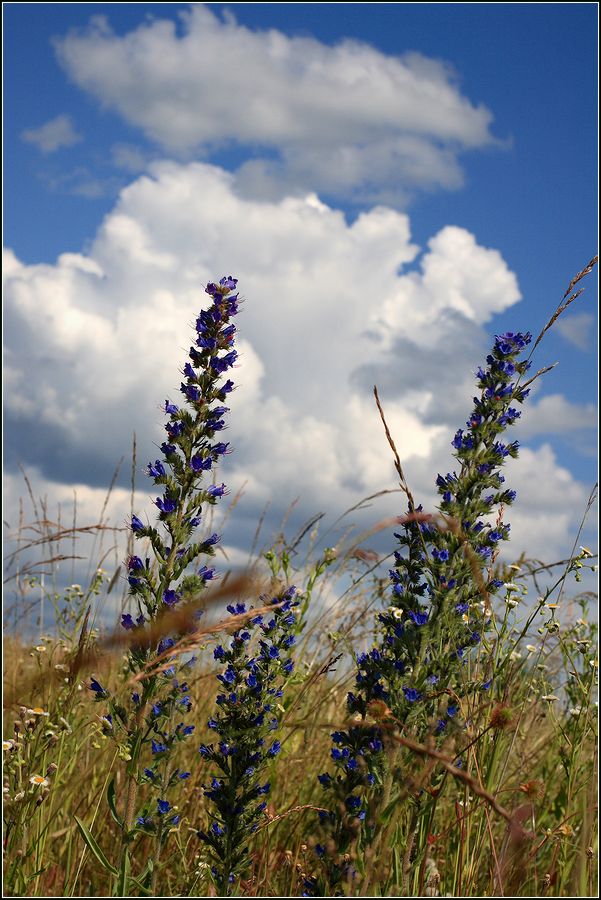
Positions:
(554, 414)
(458, 276)
(54, 134)
(95, 341)
(347, 119)
(578, 328)
(129, 157)
(550, 504)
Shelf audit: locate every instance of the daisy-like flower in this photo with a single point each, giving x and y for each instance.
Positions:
(38, 781)
(38, 711)
(8, 745)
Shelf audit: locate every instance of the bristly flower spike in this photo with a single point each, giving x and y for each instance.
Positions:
(436, 615)
(245, 725)
(155, 720)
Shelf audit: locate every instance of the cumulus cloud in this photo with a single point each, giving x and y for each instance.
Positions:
(550, 507)
(346, 119)
(54, 134)
(94, 341)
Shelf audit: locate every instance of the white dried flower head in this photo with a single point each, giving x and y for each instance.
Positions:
(38, 781)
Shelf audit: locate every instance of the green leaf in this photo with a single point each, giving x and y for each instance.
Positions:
(145, 891)
(122, 884)
(143, 885)
(92, 844)
(110, 796)
(35, 874)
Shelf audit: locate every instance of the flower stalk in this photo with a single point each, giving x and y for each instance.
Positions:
(441, 585)
(150, 725)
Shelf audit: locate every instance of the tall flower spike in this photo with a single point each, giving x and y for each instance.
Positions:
(245, 726)
(153, 723)
(438, 612)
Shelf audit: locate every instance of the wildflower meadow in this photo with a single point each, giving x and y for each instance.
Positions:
(430, 731)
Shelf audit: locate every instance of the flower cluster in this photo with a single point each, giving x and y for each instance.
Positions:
(257, 663)
(191, 450)
(441, 585)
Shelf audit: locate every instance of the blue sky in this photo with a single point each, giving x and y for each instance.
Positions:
(505, 160)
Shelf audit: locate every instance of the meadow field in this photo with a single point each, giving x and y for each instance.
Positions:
(331, 720)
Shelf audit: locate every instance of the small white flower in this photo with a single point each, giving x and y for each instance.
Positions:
(38, 711)
(550, 698)
(40, 648)
(8, 745)
(38, 781)
(575, 711)
(530, 648)
(510, 586)
(511, 602)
